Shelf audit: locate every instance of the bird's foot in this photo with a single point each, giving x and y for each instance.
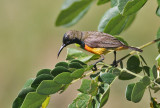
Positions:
(95, 65)
(94, 68)
(114, 64)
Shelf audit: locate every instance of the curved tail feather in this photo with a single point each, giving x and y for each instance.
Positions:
(135, 49)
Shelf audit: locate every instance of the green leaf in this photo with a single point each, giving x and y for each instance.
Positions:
(59, 69)
(107, 77)
(138, 92)
(130, 20)
(90, 103)
(158, 59)
(121, 64)
(158, 80)
(28, 83)
(48, 87)
(89, 58)
(125, 76)
(95, 102)
(100, 2)
(122, 4)
(94, 76)
(73, 54)
(154, 103)
(116, 25)
(112, 22)
(116, 71)
(21, 96)
(105, 95)
(88, 67)
(158, 11)
(146, 80)
(147, 70)
(40, 78)
(81, 101)
(111, 13)
(78, 61)
(133, 64)
(17, 102)
(63, 78)
(158, 36)
(89, 87)
(68, 3)
(46, 102)
(77, 73)
(122, 40)
(109, 70)
(129, 91)
(114, 3)
(75, 65)
(133, 6)
(73, 12)
(33, 100)
(158, 2)
(143, 59)
(94, 88)
(155, 88)
(154, 70)
(63, 88)
(102, 97)
(106, 69)
(63, 64)
(139, 89)
(151, 74)
(25, 91)
(43, 71)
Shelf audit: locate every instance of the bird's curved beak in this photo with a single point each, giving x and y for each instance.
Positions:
(64, 45)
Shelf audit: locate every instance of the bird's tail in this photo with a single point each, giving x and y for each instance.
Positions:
(135, 49)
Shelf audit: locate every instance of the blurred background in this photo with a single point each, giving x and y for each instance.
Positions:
(29, 41)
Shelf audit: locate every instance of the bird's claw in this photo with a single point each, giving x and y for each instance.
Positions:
(95, 65)
(114, 64)
(94, 68)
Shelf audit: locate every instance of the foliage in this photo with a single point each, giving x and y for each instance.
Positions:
(94, 92)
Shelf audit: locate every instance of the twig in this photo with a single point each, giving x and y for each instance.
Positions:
(156, 83)
(150, 92)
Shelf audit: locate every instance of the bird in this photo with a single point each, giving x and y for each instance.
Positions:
(99, 43)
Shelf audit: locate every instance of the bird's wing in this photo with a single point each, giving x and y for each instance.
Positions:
(102, 40)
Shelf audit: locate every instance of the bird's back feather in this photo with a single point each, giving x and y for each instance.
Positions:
(101, 40)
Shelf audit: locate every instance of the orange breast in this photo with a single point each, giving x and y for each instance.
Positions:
(120, 48)
(98, 51)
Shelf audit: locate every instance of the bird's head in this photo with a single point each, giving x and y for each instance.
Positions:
(69, 37)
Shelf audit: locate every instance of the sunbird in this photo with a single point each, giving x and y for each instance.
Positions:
(95, 42)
